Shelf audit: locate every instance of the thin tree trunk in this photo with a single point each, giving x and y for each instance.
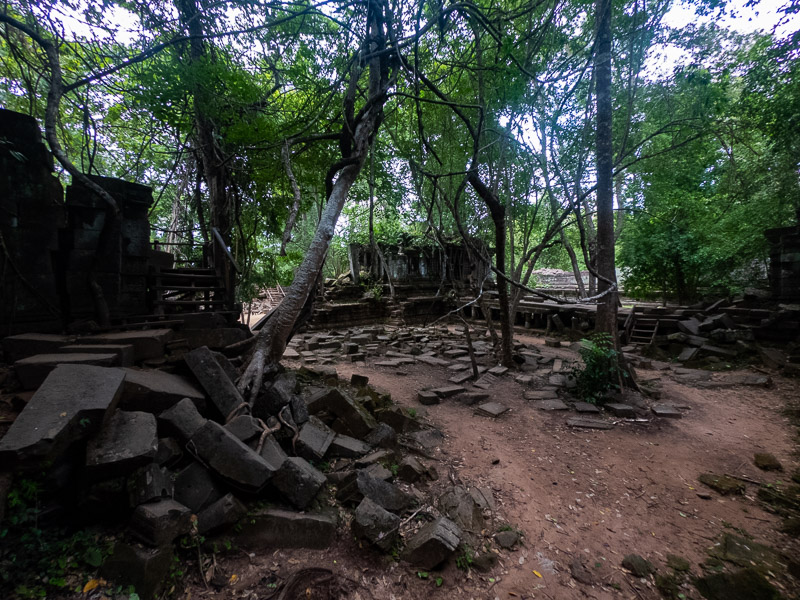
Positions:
(497, 212)
(213, 159)
(295, 209)
(606, 320)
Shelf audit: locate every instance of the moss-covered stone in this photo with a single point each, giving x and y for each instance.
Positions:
(637, 565)
(746, 584)
(668, 585)
(742, 552)
(677, 563)
(767, 462)
(722, 484)
(791, 526)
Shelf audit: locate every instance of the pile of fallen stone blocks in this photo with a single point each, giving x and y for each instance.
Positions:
(717, 334)
(173, 455)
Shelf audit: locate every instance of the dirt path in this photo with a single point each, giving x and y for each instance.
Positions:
(585, 495)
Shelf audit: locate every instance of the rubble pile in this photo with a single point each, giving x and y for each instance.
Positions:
(183, 454)
(717, 335)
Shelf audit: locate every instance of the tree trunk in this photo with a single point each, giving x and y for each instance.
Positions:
(211, 154)
(607, 308)
(358, 133)
(498, 213)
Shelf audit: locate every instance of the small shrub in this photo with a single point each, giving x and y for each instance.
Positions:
(601, 371)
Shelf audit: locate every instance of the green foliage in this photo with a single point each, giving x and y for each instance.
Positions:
(37, 561)
(600, 372)
(465, 559)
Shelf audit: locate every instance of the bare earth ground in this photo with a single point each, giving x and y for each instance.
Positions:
(592, 495)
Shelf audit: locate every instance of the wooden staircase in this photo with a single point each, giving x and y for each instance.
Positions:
(644, 330)
(192, 289)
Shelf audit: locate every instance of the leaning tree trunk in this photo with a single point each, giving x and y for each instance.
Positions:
(607, 308)
(358, 133)
(498, 214)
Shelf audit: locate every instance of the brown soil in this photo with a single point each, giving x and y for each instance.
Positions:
(594, 496)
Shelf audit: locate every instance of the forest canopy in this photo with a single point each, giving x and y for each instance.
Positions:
(432, 121)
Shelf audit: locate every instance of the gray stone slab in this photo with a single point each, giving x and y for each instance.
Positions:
(588, 423)
(455, 353)
(688, 353)
(214, 380)
(314, 439)
(383, 436)
(498, 370)
(160, 523)
(145, 569)
(32, 371)
(298, 481)
(625, 411)
(540, 394)
(448, 391)
(17, 347)
(667, 411)
(220, 515)
(196, 488)
(273, 453)
(357, 420)
(344, 446)
(170, 452)
(146, 344)
(245, 427)
(277, 394)
(363, 485)
(276, 528)
(458, 505)
(433, 361)
(71, 404)
(182, 420)
(428, 397)
(375, 524)
(432, 544)
(552, 404)
(410, 470)
(156, 391)
(229, 457)
(491, 409)
(124, 352)
(461, 377)
(127, 441)
(150, 483)
(378, 471)
(717, 351)
(486, 382)
(689, 326)
(585, 407)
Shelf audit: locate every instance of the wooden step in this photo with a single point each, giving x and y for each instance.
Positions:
(187, 277)
(187, 288)
(188, 271)
(197, 302)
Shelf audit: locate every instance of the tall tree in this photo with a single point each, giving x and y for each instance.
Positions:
(606, 320)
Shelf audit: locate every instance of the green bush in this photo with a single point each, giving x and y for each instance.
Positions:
(601, 372)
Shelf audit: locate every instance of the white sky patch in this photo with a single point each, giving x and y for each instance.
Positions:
(663, 59)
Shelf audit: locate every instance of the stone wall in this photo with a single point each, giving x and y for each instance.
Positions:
(50, 244)
(784, 262)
